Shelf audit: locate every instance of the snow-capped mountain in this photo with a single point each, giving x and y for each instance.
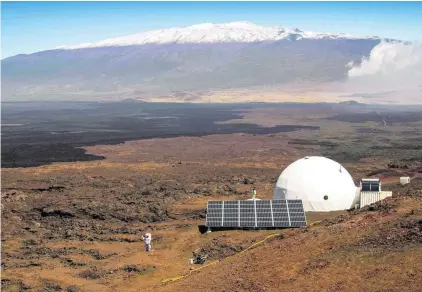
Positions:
(233, 32)
(198, 58)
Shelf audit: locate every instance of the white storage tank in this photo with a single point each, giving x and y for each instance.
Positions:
(404, 180)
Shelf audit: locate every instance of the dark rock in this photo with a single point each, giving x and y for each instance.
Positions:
(72, 288)
(56, 212)
(50, 286)
(93, 273)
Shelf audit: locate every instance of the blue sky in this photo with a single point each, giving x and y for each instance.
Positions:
(29, 27)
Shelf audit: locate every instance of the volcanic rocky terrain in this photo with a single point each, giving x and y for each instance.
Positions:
(77, 225)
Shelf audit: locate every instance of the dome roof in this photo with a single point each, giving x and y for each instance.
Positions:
(322, 184)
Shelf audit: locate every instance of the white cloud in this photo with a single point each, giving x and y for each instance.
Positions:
(390, 59)
(395, 68)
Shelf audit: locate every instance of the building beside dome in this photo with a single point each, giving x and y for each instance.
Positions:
(370, 192)
(310, 184)
(321, 183)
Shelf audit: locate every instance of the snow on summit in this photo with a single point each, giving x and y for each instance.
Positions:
(241, 32)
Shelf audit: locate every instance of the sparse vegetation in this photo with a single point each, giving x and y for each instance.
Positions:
(93, 273)
(72, 288)
(50, 286)
(88, 217)
(137, 269)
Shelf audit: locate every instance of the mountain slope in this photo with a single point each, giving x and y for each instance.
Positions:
(375, 249)
(198, 58)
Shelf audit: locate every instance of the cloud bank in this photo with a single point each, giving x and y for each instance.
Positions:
(388, 59)
(394, 69)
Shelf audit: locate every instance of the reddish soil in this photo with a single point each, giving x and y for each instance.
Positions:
(78, 226)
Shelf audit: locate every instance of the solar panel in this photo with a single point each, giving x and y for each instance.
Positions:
(296, 212)
(214, 213)
(231, 213)
(247, 213)
(281, 213)
(264, 216)
(256, 214)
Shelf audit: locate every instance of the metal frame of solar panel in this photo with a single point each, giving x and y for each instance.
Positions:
(255, 214)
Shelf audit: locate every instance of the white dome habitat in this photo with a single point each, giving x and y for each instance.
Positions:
(321, 183)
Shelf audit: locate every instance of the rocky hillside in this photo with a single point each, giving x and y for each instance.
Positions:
(378, 248)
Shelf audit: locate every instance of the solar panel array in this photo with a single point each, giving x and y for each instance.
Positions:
(256, 213)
